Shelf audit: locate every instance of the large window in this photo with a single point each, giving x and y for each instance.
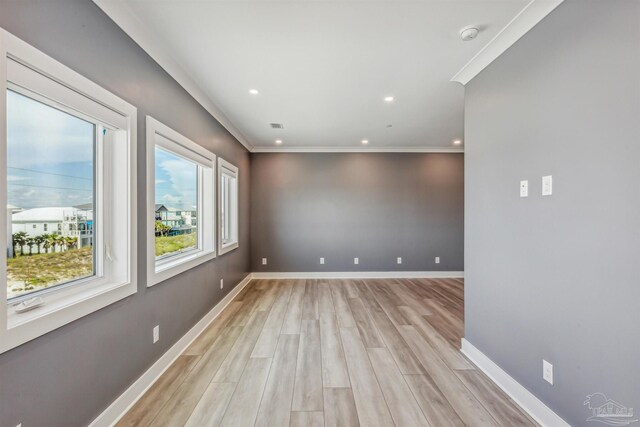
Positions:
(180, 193)
(68, 185)
(227, 206)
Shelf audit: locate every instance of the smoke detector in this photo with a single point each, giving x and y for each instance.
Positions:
(469, 33)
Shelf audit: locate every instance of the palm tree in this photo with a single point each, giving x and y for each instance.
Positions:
(19, 240)
(58, 240)
(49, 240)
(39, 240)
(72, 242)
(30, 242)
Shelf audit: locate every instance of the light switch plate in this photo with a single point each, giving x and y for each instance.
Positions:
(221, 283)
(399, 260)
(321, 260)
(156, 334)
(437, 260)
(356, 261)
(547, 185)
(524, 188)
(264, 261)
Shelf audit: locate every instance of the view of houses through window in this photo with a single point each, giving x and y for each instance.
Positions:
(50, 196)
(176, 208)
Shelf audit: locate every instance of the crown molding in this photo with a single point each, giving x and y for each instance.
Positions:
(524, 21)
(124, 17)
(356, 150)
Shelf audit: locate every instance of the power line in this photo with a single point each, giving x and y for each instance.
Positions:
(53, 188)
(49, 173)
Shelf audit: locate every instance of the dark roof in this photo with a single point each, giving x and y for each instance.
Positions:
(160, 207)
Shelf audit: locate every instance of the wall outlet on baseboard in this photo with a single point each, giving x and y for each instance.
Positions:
(437, 260)
(399, 260)
(321, 260)
(264, 261)
(356, 261)
(221, 283)
(547, 371)
(156, 334)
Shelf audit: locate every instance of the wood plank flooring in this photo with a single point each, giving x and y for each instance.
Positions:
(381, 352)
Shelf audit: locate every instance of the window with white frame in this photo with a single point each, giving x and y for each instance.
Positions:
(69, 187)
(181, 194)
(227, 206)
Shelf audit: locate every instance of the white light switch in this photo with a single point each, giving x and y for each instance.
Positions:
(321, 260)
(221, 283)
(547, 185)
(356, 261)
(399, 260)
(547, 371)
(524, 188)
(437, 260)
(156, 334)
(264, 261)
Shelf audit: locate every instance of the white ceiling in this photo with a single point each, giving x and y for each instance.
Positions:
(323, 67)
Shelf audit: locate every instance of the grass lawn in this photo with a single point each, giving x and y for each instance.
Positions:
(169, 244)
(38, 271)
(42, 270)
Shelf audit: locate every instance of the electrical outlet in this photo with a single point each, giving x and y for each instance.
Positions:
(221, 283)
(547, 185)
(399, 260)
(524, 188)
(356, 261)
(156, 334)
(321, 260)
(437, 260)
(547, 371)
(264, 261)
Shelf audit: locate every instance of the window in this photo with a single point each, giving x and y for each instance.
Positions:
(70, 163)
(180, 188)
(227, 206)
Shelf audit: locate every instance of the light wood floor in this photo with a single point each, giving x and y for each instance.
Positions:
(330, 353)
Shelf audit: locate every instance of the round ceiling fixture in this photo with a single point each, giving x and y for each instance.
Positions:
(469, 33)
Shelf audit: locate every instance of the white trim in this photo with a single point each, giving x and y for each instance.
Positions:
(176, 143)
(360, 275)
(126, 400)
(268, 149)
(524, 21)
(121, 14)
(523, 397)
(230, 170)
(116, 168)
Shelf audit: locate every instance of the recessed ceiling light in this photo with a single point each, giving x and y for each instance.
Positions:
(278, 141)
(457, 142)
(253, 91)
(389, 98)
(365, 141)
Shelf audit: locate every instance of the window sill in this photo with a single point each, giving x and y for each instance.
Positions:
(170, 267)
(228, 247)
(60, 309)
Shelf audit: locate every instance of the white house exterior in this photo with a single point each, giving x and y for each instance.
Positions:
(65, 221)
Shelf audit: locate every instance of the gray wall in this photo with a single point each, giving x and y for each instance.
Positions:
(69, 376)
(373, 206)
(557, 277)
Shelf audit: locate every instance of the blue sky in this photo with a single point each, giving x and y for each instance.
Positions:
(50, 160)
(49, 155)
(176, 181)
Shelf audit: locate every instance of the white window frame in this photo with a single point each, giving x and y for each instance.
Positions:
(39, 76)
(226, 168)
(169, 140)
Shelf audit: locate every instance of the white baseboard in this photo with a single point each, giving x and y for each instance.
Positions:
(523, 397)
(126, 400)
(360, 275)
